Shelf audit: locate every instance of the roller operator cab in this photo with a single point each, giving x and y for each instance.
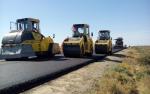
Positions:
(80, 44)
(103, 45)
(119, 42)
(26, 40)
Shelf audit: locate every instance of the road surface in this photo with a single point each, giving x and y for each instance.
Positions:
(81, 81)
(16, 74)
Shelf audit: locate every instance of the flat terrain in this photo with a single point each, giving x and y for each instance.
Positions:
(79, 81)
(131, 76)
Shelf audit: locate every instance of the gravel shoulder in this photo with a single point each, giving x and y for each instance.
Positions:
(79, 81)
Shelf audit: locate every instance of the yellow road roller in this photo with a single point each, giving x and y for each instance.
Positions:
(80, 44)
(27, 41)
(103, 45)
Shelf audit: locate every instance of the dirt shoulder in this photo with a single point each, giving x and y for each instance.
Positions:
(79, 81)
(132, 76)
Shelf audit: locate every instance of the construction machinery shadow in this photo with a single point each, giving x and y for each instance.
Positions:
(119, 55)
(108, 59)
(37, 59)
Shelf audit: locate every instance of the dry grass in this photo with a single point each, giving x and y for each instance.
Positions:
(132, 76)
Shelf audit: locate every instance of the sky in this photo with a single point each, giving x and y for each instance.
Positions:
(129, 19)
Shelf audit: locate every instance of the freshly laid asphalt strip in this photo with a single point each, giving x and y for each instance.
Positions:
(14, 73)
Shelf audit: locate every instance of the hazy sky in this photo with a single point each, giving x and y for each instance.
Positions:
(129, 19)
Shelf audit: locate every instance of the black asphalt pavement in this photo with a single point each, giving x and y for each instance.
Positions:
(14, 73)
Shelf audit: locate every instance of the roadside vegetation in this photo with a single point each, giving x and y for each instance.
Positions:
(132, 76)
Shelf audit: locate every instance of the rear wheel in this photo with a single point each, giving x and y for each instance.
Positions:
(110, 52)
(47, 54)
(81, 51)
(90, 53)
(50, 50)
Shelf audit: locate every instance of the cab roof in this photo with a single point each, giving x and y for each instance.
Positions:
(28, 19)
(119, 38)
(104, 31)
(80, 25)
